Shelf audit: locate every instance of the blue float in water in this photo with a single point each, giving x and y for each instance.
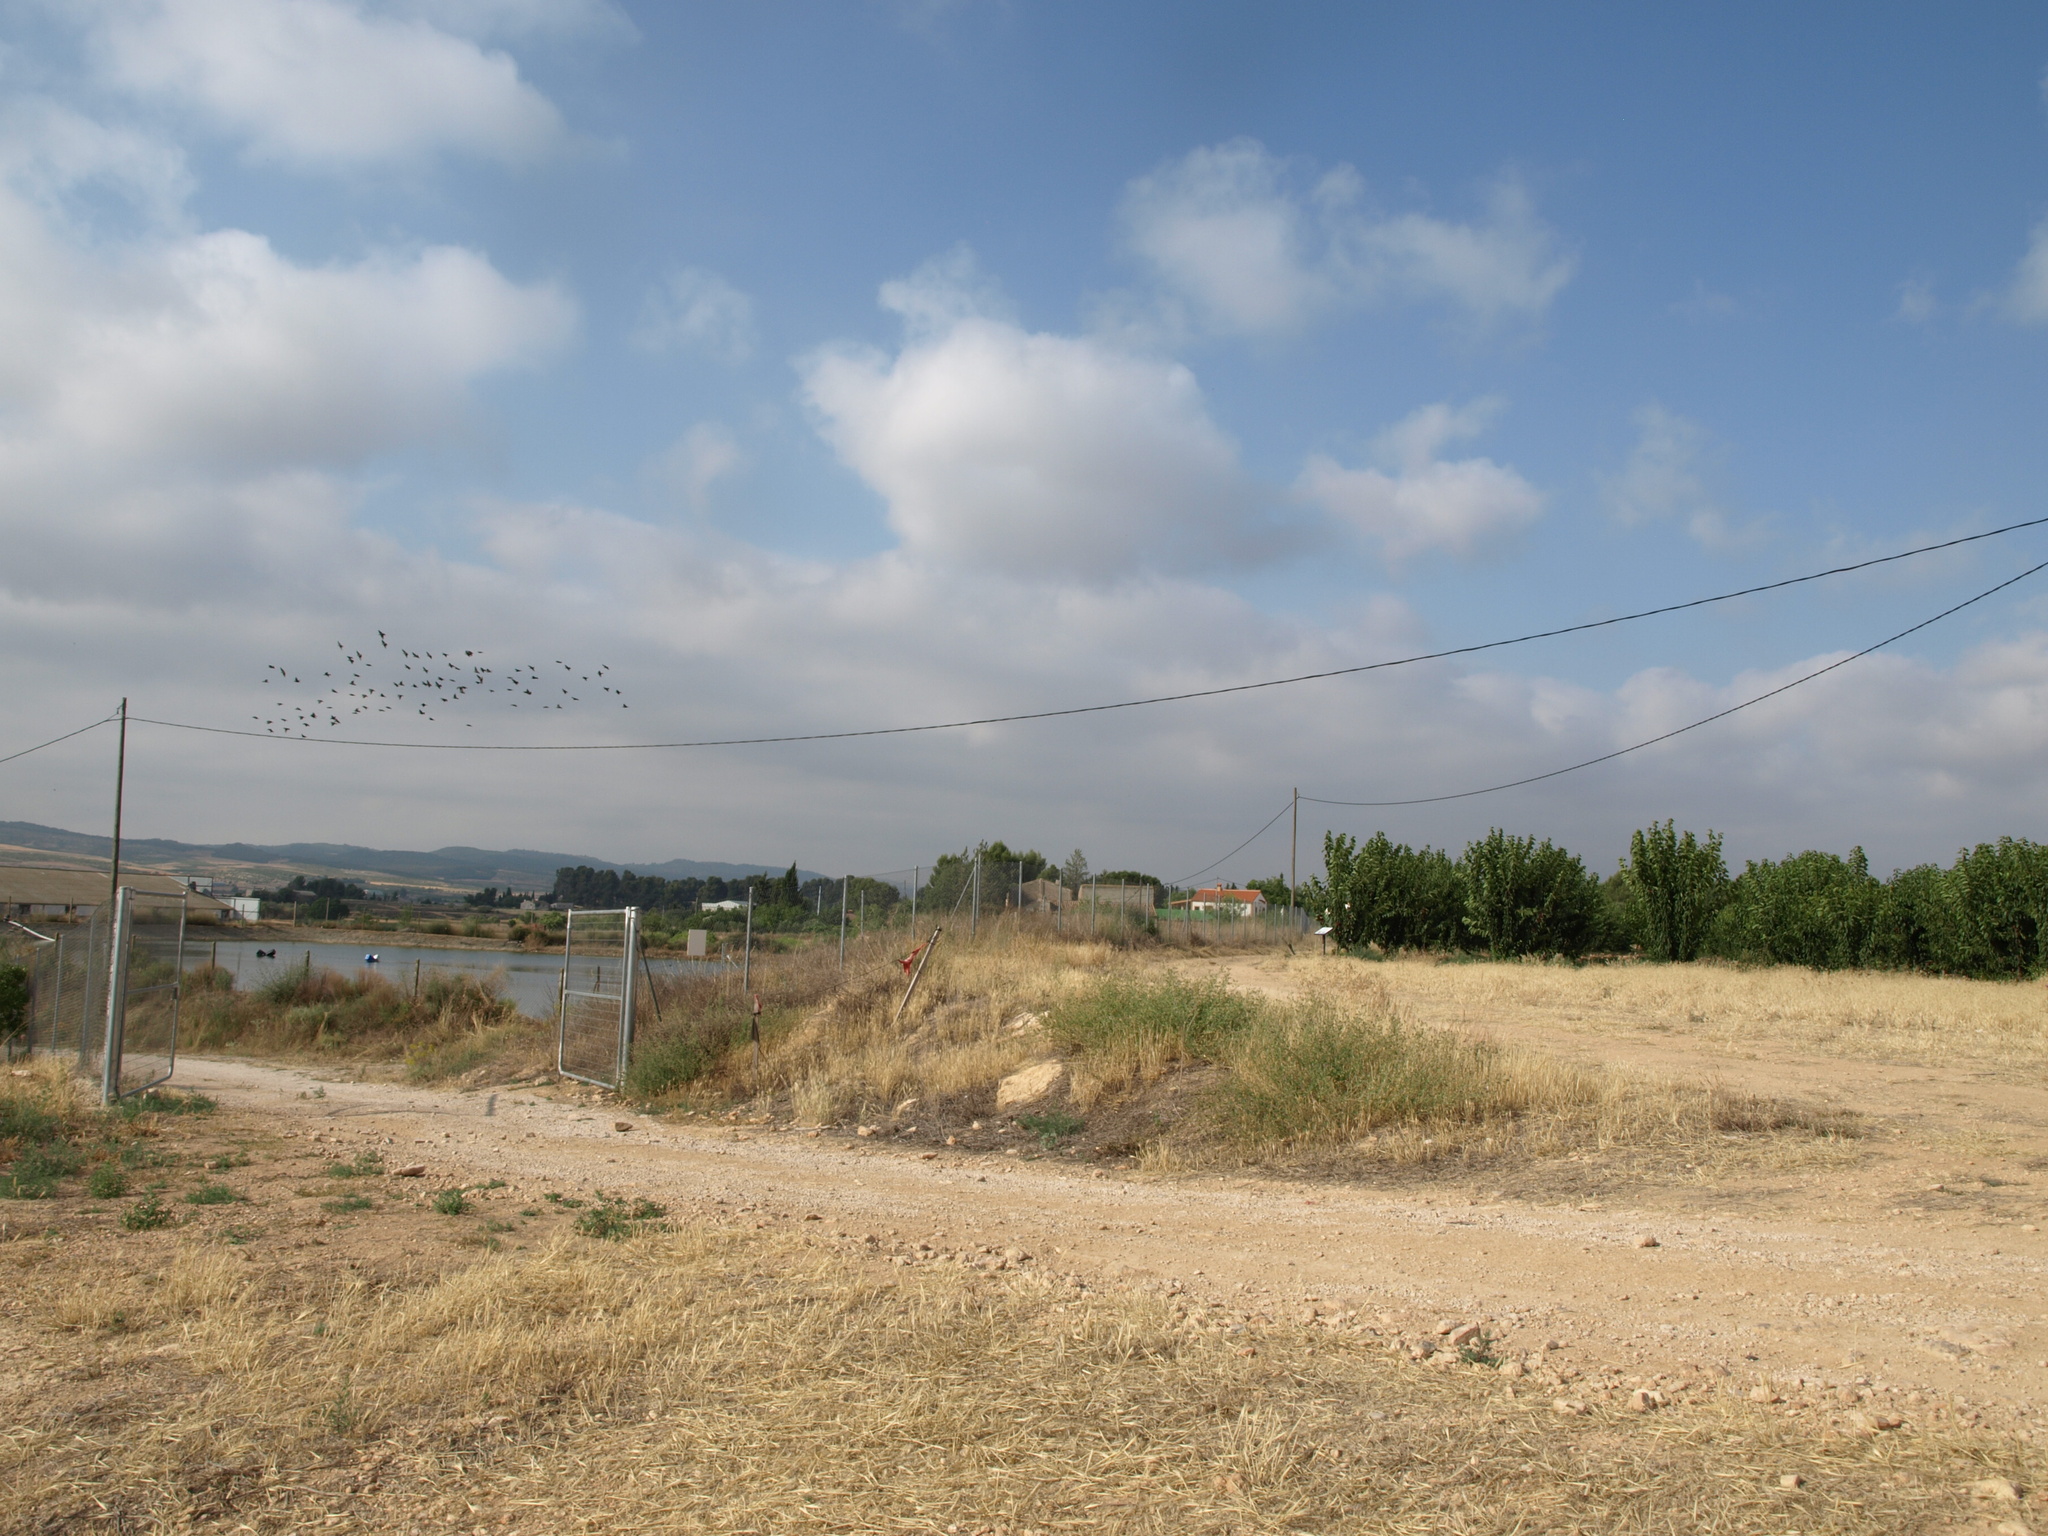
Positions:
(369, 959)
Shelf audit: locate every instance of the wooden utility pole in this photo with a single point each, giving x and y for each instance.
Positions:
(1293, 853)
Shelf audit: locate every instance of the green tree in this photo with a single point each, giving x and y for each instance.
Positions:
(1389, 895)
(2000, 896)
(13, 999)
(1677, 885)
(1074, 872)
(1814, 909)
(1523, 897)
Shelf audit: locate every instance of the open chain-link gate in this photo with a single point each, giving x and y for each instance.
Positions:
(594, 1038)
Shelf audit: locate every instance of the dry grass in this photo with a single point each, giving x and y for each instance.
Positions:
(834, 1048)
(1869, 1015)
(719, 1381)
(1348, 1079)
(455, 1025)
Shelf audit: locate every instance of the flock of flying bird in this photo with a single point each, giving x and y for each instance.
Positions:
(425, 681)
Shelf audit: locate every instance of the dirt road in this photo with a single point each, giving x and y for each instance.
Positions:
(1820, 1284)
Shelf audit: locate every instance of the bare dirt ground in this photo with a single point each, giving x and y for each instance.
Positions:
(1907, 1262)
(1865, 1295)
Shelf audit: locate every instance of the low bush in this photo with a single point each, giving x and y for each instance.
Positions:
(665, 1065)
(449, 1202)
(612, 1219)
(1130, 1029)
(455, 1024)
(211, 1194)
(106, 1182)
(147, 1214)
(1311, 1076)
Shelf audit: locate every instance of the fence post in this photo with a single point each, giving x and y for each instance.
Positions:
(842, 920)
(628, 990)
(747, 951)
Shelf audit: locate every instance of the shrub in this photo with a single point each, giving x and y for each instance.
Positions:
(13, 999)
(1051, 1127)
(147, 1214)
(665, 1065)
(36, 1171)
(212, 1194)
(1133, 1028)
(1313, 1077)
(106, 1182)
(364, 1165)
(157, 1101)
(612, 1219)
(449, 1202)
(348, 1203)
(23, 1120)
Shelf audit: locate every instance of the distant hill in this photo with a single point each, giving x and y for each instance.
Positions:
(464, 868)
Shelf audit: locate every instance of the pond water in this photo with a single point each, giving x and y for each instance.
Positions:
(530, 979)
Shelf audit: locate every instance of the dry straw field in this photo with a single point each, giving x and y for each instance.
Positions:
(214, 1322)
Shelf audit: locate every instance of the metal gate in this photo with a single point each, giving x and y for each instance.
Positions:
(595, 1035)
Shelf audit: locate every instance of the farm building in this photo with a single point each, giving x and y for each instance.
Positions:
(32, 890)
(1223, 898)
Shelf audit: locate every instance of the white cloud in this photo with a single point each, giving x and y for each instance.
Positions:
(702, 456)
(522, 18)
(1916, 301)
(214, 348)
(1420, 501)
(698, 311)
(1665, 480)
(2026, 300)
(1223, 229)
(1032, 454)
(325, 83)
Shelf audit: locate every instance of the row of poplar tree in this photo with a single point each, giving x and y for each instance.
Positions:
(1674, 899)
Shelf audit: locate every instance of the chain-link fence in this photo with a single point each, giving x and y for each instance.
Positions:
(976, 900)
(132, 1045)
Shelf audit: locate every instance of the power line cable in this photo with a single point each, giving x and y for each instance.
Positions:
(1094, 709)
(1240, 848)
(1609, 757)
(24, 752)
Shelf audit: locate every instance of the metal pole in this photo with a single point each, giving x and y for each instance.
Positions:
(120, 783)
(842, 920)
(915, 871)
(923, 955)
(627, 990)
(747, 955)
(974, 912)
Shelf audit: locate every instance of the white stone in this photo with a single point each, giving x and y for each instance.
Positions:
(1029, 1084)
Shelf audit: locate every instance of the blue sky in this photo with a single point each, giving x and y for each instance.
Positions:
(826, 366)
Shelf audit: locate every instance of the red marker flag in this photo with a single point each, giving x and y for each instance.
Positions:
(911, 959)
